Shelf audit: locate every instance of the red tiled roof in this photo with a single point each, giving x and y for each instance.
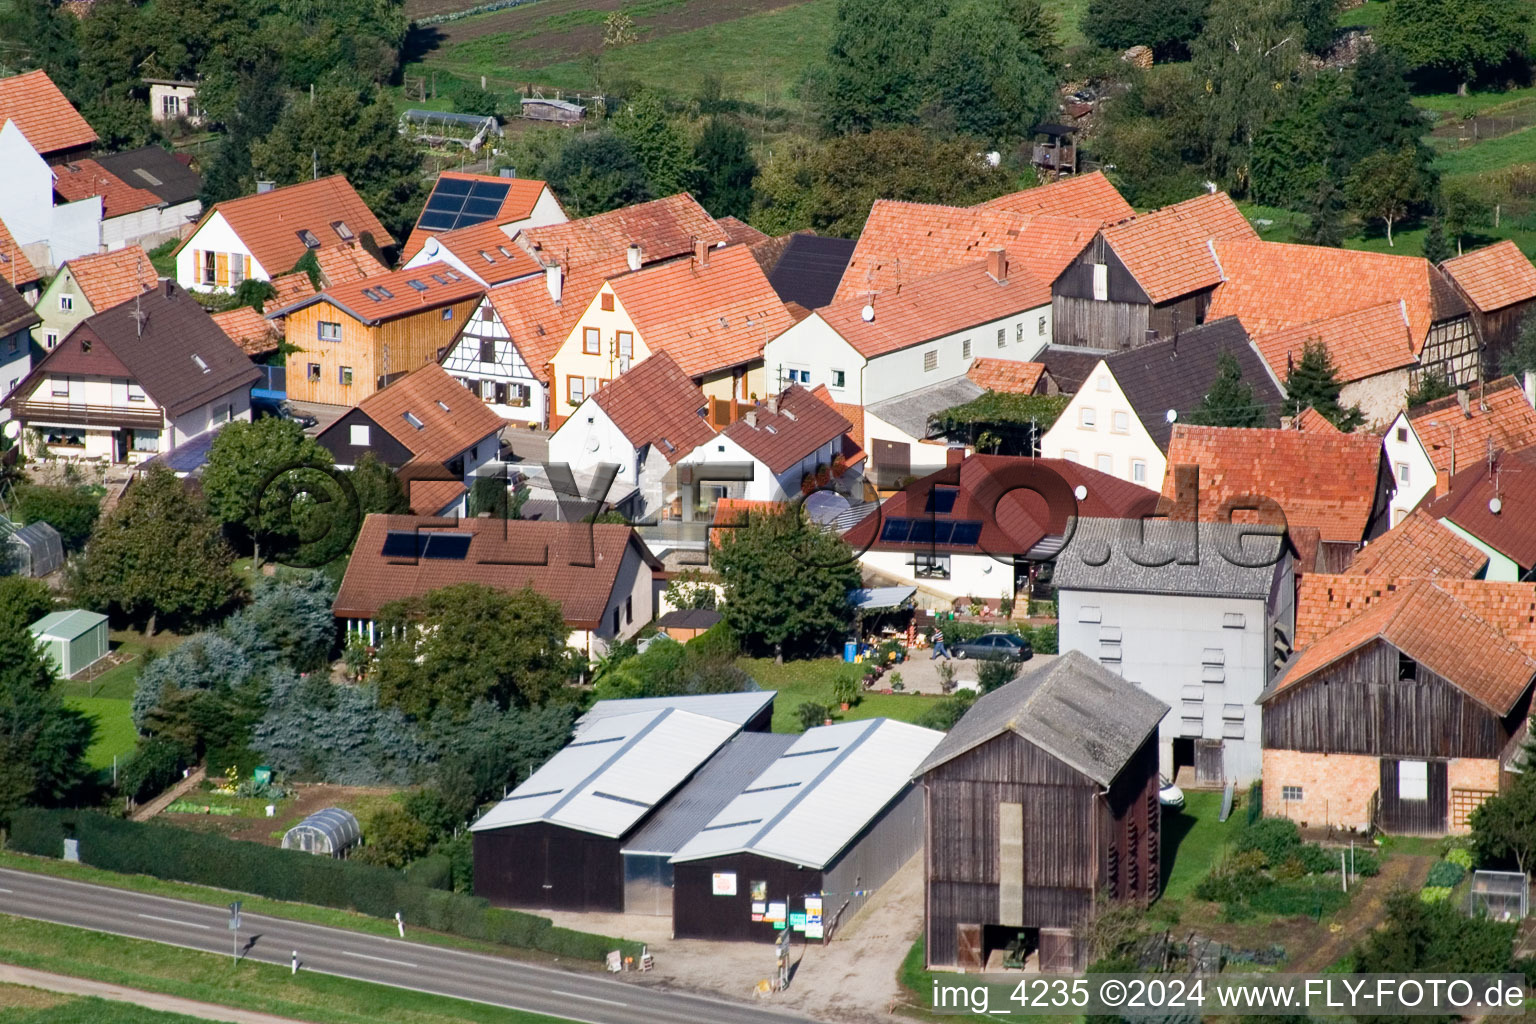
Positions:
(1006, 375)
(82, 179)
(1272, 286)
(903, 242)
(1168, 251)
(934, 306)
(655, 403)
(269, 222)
(1313, 422)
(574, 564)
(522, 195)
(990, 489)
(1048, 244)
(1495, 276)
(1498, 414)
(451, 418)
(1324, 602)
(854, 414)
(1324, 480)
(1363, 342)
(373, 300)
(14, 265)
(490, 252)
(291, 288)
(663, 228)
(107, 278)
(430, 497)
(344, 263)
(709, 315)
(1430, 624)
(250, 330)
(1086, 196)
(1511, 478)
(780, 434)
(47, 120)
(1419, 546)
(739, 231)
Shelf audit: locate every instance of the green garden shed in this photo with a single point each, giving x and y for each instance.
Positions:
(73, 640)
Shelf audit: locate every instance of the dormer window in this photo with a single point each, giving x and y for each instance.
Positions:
(308, 238)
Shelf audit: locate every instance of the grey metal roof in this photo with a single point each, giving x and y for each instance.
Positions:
(910, 412)
(1071, 707)
(875, 598)
(155, 169)
(67, 625)
(735, 708)
(1176, 374)
(688, 618)
(708, 793)
(1114, 555)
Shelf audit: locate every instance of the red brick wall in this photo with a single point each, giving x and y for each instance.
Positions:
(1336, 788)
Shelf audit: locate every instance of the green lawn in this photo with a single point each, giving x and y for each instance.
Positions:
(108, 697)
(115, 734)
(801, 681)
(162, 258)
(210, 977)
(79, 1011)
(1367, 15)
(1193, 838)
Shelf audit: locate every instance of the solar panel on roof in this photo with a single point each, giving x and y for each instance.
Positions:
(435, 220)
(966, 534)
(895, 530)
(456, 203)
(426, 544)
(942, 500)
(452, 187)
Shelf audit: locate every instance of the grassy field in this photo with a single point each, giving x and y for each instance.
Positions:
(108, 697)
(53, 1008)
(801, 681)
(115, 734)
(1193, 838)
(268, 988)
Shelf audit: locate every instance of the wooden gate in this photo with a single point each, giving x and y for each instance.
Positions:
(968, 946)
(1060, 951)
(1410, 815)
(1208, 764)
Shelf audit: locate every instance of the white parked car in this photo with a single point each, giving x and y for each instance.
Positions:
(1170, 795)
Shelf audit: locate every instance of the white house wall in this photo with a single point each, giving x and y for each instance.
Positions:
(1101, 446)
(26, 201)
(900, 372)
(509, 369)
(970, 576)
(1413, 474)
(814, 347)
(216, 236)
(1380, 397)
(1501, 568)
(926, 456)
(150, 227)
(76, 230)
(236, 405)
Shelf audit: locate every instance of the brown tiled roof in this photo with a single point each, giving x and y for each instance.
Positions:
(782, 436)
(1313, 422)
(490, 252)
(15, 313)
(709, 315)
(451, 418)
(1433, 626)
(1419, 546)
(522, 195)
(1324, 480)
(1493, 277)
(429, 497)
(1006, 375)
(1324, 602)
(269, 222)
(854, 414)
(936, 305)
(655, 403)
(372, 300)
(1272, 286)
(1086, 197)
(739, 231)
(82, 179)
(107, 278)
(1498, 413)
(254, 333)
(1511, 478)
(14, 265)
(344, 263)
(904, 242)
(1362, 342)
(663, 228)
(1168, 251)
(574, 564)
(47, 120)
(166, 343)
(1013, 520)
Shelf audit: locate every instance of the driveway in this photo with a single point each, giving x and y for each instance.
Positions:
(921, 675)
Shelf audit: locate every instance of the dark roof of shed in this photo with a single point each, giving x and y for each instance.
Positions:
(15, 314)
(1072, 707)
(1100, 557)
(732, 768)
(1177, 373)
(809, 269)
(155, 169)
(1070, 365)
(689, 618)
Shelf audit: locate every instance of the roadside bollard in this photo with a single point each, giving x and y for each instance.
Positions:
(295, 961)
(400, 923)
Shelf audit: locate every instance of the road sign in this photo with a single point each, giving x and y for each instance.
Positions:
(234, 916)
(234, 932)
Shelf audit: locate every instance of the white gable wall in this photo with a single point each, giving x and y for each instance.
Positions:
(1413, 474)
(526, 397)
(1130, 452)
(904, 371)
(216, 235)
(814, 348)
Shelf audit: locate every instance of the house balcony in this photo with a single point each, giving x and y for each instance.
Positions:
(66, 414)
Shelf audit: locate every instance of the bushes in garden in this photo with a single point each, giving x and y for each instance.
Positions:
(1271, 871)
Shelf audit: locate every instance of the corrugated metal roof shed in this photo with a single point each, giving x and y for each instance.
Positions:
(821, 793)
(709, 792)
(613, 773)
(1136, 556)
(910, 412)
(736, 708)
(67, 624)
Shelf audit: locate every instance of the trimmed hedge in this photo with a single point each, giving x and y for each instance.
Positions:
(182, 856)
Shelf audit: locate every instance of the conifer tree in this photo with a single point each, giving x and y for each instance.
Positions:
(1230, 401)
(1313, 382)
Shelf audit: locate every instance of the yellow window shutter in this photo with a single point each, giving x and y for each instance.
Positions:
(247, 275)
(223, 269)
(197, 265)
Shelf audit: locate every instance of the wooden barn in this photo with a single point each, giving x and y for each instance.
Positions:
(1040, 801)
(1499, 285)
(1406, 716)
(554, 842)
(807, 840)
(1145, 278)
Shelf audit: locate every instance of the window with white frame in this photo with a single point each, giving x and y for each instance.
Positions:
(591, 341)
(1138, 471)
(1102, 382)
(1120, 422)
(344, 376)
(575, 390)
(146, 440)
(222, 413)
(357, 434)
(1002, 337)
(61, 387)
(170, 105)
(965, 349)
(1104, 463)
(236, 270)
(1086, 417)
(135, 393)
(1018, 333)
(1039, 328)
(210, 268)
(930, 360)
(1413, 780)
(66, 303)
(839, 378)
(327, 330)
(1290, 793)
(1402, 472)
(50, 338)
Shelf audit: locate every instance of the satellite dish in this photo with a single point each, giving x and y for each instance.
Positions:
(1495, 506)
(994, 158)
(592, 443)
(1171, 415)
(868, 313)
(1079, 492)
(431, 247)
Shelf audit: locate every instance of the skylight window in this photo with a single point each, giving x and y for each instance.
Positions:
(384, 291)
(504, 251)
(487, 256)
(375, 296)
(308, 238)
(199, 361)
(442, 405)
(413, 420)
(341, 229)
(439, 278)
(417, 285)
(142, 173)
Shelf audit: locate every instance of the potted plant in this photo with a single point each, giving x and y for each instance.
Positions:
(845, 691)
(897, 685)
(947, 676)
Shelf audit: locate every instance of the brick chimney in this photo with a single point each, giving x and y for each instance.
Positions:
(953, 456)
(1442, 482)
(997, 264)
(1186, 493)
(1465, 401)
(751, 417)
(168, 286)
(701, 252)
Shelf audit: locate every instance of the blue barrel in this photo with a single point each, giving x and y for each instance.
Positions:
(850, 650)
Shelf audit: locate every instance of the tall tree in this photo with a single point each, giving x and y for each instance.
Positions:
(70, 510)
(1168, 26)
(1436, 248)
(42, 34)
(1038, 29)
(352, 132)
(1313, 382)
(377, 487)
(1325, 215)
(595, 173)
(158, 554)
(42, 742)
(982, 80)
(1455, 40)
(659, 142)
(23, 601)
(1230, 401)
(1521, 358)
(1504, 825)
(874, 73)
(786, 584)
(247, 99)
(464, 643)
(1464, 210)
(1377, 112)
(265, 477)
(723, 169)
(1387, 186)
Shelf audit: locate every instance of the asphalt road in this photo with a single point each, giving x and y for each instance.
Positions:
(594, 999)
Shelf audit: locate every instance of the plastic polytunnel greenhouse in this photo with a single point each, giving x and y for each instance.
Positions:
(329, 832)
